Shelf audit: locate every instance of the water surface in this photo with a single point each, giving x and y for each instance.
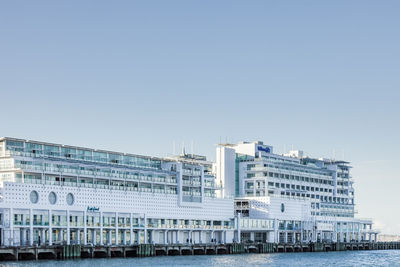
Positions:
(344, 258)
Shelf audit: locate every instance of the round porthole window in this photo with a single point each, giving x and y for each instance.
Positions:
(34, 197)
(70, 199)
(52, 198)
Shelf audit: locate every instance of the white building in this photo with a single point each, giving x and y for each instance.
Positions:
(59, 194)
(289, 198)
(52, 193)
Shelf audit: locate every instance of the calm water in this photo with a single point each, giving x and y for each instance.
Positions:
(345, 258)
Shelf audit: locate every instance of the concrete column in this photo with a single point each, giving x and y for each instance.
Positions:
(131, 236)
(116, 229)
(60, 235)
(68, 230)
(285, 239)
(43, 234)
(178, 237)
(101, 229)
(30, 227)
(238, 218)
(124, 237)
(252, 236)
(50, 228)
(84, 229)
(138, 236)
(78, 236)
(23, 237)
(12, 228)
(224, 239)
(109, 237)
(145, 229)
(94, 237)
(165, 237)
(131, 228)
(301, 236)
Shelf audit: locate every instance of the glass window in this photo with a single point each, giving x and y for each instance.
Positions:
(114, 158)
(51, 150)
(33, 148)
(84, 154)
(14, 146)
(68, 152)
(100, 156)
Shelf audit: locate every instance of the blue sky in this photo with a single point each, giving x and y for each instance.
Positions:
(135, 76)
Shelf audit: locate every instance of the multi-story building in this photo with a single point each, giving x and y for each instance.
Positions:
(295, 198)
(52, 193)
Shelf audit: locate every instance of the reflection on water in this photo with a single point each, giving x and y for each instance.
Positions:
(345, 258)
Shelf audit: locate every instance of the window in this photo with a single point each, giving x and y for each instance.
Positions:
(34, 197)
(52, 198)
(70, 199)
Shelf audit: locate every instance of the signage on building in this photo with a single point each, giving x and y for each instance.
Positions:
(265, 149)
(92, 209)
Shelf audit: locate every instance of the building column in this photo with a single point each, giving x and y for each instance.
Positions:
(109, 237)
(84, 229)
(238, 228)
(43, 234)
(94, 237)
(138, 236)
(145, 229)
(116, 229)
(60, 235)
(165, 237)
(177, 237)
(30, 227)
(68, 230)
(131, 235)
(101, 229)
(252, 236)
(124, 237)
(50, 228)
(131, 230)
(78, 236)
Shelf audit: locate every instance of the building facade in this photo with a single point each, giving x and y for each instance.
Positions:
(296, 198)
(51, 194)
(57, 194)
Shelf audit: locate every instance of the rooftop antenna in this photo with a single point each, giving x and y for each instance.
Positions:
(183, 149)
(192, 147)
(173, 147)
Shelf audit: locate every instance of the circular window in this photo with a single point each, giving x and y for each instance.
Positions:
(52, 198)
(34, 197)
(70, 199)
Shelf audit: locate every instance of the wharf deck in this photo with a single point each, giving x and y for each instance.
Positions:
(149, 250)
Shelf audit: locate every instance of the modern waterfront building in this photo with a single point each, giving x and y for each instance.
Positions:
(52, 193)
(289, 198)
(58, 194)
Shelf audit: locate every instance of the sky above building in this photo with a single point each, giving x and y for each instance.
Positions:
(139, 76)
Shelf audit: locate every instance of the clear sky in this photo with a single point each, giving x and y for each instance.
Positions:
(135, 76)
